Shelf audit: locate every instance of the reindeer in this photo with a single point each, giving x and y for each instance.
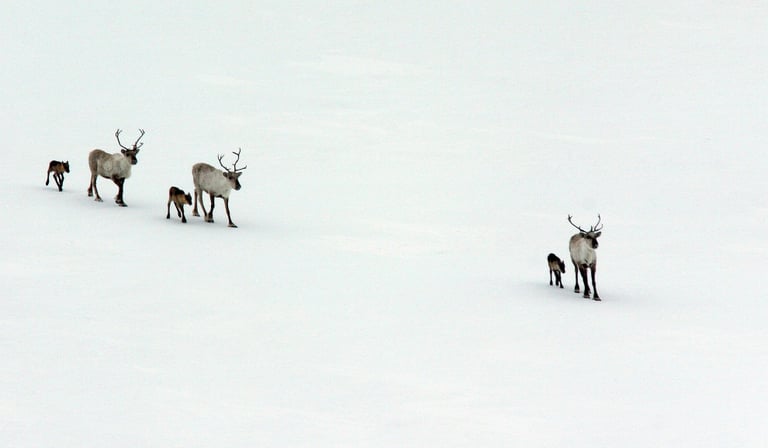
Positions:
(216, 183)
(58, 169)
(582, 247)
(179, 198)
(115, 166)
(557, 266)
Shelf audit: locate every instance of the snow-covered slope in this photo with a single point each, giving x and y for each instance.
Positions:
(409, 169)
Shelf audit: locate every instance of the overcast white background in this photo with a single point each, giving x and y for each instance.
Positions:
(410, 166)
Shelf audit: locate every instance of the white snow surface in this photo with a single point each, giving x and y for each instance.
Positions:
(410, 166)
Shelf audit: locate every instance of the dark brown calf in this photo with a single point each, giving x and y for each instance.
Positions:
(179, 198)
(58, 169)
(557, 266)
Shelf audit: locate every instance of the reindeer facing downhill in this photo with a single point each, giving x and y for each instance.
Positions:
(582, 247)
(58, 169)
(217, 184)
(116, 167)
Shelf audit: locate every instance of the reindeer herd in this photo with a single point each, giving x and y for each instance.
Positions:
(583, 256)
(219, 184)
(117, 168)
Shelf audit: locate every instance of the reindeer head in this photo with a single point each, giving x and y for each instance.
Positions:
(130, 153)
(592, 234)
(234, 174)
(66, 166)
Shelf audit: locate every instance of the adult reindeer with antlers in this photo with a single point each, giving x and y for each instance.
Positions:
(116, 167)
(582, 247)
(216, 183)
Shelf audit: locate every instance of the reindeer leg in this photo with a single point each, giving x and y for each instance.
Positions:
(119, 198)
(576, 288)
(226, 207)
(183, 218)
(48, 178)
(550, 277)
(93, 189)
(595, 296)
(559, 279)
(213, 204)
(179, 209)
(59, 178)
(209, 214)
(194, 208)
(583, 271)
(168, 210)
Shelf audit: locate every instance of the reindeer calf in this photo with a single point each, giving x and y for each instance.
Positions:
(179, 198)
(557, 266)
(58, 169)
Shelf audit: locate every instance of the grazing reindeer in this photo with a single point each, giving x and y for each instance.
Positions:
(58, 169)
(216, 183)
(115, 166)
(557, 266)
(582, 247)
(179, 198)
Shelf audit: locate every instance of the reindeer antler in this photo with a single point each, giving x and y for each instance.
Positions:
(234, 165)
(574, 225)
(596, 229)
(117, 136)
(235, 169)
(137, 140)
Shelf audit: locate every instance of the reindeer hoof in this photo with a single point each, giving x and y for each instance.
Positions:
(98, 199)
(597, 299)
(195, 213)
(231, 224)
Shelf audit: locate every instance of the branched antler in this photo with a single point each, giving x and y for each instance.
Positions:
(574, 225)
(235, 169)
(596, 228)
(117, 136)
(137, 140)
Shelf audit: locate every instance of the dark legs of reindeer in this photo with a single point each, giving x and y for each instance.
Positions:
(59, 178)
(209, 215)
(583, 272)
(119, 198)
(587, 291)
(558, 278)
(226, 207)
(179, 211)
(596, 296)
